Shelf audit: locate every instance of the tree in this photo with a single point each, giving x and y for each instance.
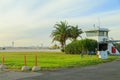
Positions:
(74, 32)
(61, 33)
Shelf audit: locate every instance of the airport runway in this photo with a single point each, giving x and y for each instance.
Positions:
(30, 50)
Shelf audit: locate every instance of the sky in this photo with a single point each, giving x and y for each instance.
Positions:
(30, 22)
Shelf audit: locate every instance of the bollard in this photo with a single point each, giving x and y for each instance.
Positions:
(97, 55)
(36, 68)
(3, 60)
(25, 67)
(2, 66)
(25, 60)
(36, 61)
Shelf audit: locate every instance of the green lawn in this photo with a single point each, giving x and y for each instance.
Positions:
(50, 60)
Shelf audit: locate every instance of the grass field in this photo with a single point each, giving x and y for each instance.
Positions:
(50, 60)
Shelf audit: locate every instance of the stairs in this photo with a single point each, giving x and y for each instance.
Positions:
(114, 42)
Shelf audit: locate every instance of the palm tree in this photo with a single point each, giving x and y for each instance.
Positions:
(60, 33)
(74, 32)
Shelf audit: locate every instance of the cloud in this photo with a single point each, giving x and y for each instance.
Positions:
(29, 21)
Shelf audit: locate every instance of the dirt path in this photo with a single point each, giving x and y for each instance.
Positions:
(106, 71)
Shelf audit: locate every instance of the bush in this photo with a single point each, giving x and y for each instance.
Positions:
(81, 46)
(73, 48)
(62, 49)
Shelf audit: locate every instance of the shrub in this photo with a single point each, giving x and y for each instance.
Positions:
(62, 49)
(81, 46)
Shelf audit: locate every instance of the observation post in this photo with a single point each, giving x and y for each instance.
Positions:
(105, 44)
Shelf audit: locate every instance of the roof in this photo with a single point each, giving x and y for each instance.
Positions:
(97, 29)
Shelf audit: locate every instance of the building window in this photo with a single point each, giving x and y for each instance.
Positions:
(92, 33)
(103, 33)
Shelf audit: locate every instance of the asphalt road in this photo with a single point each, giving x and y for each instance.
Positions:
(105, 71)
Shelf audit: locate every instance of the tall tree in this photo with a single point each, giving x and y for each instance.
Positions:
(74, 32)
(61, 33)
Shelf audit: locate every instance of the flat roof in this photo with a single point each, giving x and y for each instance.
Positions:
(97, 29)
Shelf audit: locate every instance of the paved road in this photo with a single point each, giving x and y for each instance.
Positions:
(106, 71)
(12, 75)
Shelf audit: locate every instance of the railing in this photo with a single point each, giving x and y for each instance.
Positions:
(114, 42)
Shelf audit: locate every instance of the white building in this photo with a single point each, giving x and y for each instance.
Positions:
(105, 44)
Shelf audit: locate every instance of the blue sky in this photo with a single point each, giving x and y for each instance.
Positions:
(30, 22)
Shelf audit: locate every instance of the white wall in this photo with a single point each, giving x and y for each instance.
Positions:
(100, 38)
(94, 38)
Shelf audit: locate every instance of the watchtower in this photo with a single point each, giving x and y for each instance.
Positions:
(105, 45)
